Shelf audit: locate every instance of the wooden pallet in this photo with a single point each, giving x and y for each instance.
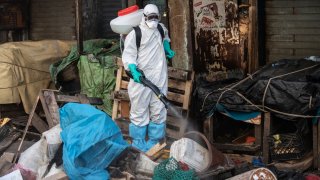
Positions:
(48, 104)
(179, 93)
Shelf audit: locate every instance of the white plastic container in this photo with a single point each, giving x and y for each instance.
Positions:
(191, 153)
(124, 24)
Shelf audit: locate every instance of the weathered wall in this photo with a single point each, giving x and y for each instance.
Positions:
(56, 19)
(220, 47)
(180, 32)
(52, 19)
(292, 29)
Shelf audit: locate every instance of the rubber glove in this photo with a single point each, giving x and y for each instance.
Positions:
(169, 53)
(135, 73)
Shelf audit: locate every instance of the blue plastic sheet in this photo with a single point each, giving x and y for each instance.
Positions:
(237, 115)
(91, 141)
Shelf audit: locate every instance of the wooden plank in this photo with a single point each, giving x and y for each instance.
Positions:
(266, 133)
(294, 17)
(253, 37)
(155, 149)
(65, 98)
(125, 109)
(52, 106)
(258, 134)
(45, 109)
(34, 107)
(295, 4)
(274, 51)
(39, 124)
(175, 97)
(121, 95)
(307, 38)
(178, 74)
(83, 98)
(293, 45)
(293, 24)
(302, 31)
(272, 58)
(187, 94)
(124, 84)
(271, 11)
(307, 52)
(280, 38)
(307, 10)
(175, 84)
(117, 88)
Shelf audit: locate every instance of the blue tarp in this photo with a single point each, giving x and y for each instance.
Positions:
(237, 115)
(91, 141)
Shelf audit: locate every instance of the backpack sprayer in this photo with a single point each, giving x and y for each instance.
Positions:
(154, 88)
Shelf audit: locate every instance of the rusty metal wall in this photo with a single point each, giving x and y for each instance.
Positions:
(292, 29)
(52, 19)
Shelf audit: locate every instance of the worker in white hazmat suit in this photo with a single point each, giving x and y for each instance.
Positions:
(147, 113)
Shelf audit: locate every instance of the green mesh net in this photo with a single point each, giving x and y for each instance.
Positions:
(171, 170)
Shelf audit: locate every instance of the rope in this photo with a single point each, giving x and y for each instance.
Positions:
(262, 107)
(25, 83)
(25, 67)
(265, 91)
(249, 76)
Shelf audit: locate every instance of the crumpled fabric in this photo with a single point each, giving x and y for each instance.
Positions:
(91, 141)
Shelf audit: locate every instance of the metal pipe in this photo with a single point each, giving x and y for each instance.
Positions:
(79, 32)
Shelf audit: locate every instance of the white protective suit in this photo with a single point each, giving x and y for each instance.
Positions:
(151, 59)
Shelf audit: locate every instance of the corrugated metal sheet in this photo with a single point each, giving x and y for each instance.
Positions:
(292, 29)
(52, 19)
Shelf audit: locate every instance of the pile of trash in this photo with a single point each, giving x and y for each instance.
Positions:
(88, 144)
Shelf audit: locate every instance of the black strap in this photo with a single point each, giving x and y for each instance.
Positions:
(138, 32)
(160, 29)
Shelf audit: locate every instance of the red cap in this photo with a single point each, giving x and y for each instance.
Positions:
(128, 10)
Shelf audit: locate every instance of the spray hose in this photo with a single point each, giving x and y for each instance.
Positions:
(146, 82)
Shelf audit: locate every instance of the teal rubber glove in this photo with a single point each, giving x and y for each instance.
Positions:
(169, 53)
(135, 73)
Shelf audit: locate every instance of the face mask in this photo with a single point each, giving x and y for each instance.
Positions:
(152, 24)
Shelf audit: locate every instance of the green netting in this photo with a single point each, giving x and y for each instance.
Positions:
(96, 69)
(171, 170)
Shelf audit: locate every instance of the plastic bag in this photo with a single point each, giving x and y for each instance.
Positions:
(35, 156)
(52, 137)
(91, 141)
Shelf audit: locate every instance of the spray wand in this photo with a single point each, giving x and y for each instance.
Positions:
(154, 88)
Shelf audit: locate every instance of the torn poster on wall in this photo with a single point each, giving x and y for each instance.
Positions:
(217, 36)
